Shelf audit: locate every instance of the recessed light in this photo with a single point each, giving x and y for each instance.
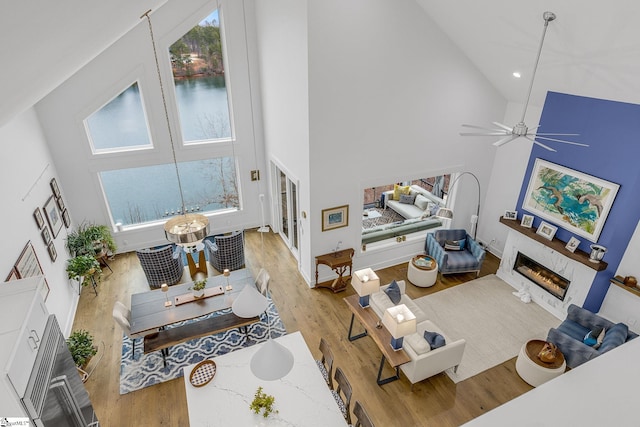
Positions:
(516, 75)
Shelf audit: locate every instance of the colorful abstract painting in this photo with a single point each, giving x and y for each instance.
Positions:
(573, 200)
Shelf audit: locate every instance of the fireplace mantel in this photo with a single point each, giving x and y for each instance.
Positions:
(555, 244)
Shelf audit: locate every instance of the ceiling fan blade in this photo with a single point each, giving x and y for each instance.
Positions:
(479, 127)
(563, 141)
(504, 140)
(500, 125)
(540, 144)
(482, 133)
(558, 134)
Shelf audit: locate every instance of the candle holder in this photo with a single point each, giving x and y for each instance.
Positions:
(226, 273)
(165, 288)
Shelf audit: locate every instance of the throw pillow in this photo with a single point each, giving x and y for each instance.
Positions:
(399, 190)
(454, 245)
(421, 202)
(393, 292)
(599, 339)
(407, 199)
(589, 340)
(434, 339)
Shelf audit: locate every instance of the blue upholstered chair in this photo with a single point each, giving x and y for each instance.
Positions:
(162, 265)
(468, 259)
(226, 251)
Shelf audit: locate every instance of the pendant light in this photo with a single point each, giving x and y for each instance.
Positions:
(183, 229)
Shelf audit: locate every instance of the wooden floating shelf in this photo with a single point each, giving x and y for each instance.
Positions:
(618, 281)
(555, 244)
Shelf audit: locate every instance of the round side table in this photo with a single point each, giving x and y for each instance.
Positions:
(534, 371)
(422, 271)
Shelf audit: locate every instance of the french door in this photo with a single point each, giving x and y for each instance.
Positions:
(287, 206)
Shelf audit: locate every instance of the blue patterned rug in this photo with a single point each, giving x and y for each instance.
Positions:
(145, 370)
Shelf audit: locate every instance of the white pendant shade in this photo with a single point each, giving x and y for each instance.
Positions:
(272, 361)
(249, 303)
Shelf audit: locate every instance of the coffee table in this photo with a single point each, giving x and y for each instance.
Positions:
(422, 271)
(381, 336)
(533, 370)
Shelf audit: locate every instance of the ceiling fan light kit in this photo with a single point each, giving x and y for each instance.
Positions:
(509, 134)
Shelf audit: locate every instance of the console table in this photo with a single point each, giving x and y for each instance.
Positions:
(339, 262)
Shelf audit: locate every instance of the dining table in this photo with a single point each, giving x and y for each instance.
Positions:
(148, 309)
(302, 397)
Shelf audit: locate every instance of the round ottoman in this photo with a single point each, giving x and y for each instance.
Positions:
(422, 271)
(533, 370)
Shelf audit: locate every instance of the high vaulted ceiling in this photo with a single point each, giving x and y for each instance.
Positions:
(591, 49)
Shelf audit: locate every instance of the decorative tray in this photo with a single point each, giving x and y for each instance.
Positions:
(202, 373)
(208, 292)
(424, 263)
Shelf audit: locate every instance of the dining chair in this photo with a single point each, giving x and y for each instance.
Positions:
(122, 316)
(325, 364)
(162, 265)
(226, 251)
(262, 282)
(343, 389)
(362, 418)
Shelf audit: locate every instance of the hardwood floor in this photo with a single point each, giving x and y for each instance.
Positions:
(317, 313)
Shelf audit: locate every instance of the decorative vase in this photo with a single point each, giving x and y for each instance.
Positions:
(597, 253)
(198, 293)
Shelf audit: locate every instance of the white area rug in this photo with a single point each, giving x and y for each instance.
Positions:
(493, 321)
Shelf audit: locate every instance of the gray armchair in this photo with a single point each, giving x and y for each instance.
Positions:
(162, 265)
(226, 251)
(469, 259)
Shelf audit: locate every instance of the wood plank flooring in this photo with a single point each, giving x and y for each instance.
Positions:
(317, 313)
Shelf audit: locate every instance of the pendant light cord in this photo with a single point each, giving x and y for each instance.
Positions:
(164, 105)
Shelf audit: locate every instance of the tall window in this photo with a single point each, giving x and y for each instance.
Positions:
(199, 79)
(119, 125)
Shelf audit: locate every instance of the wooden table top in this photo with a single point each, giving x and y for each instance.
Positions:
(335, 259)
(148, 310)
(533, 347)
(381, 336)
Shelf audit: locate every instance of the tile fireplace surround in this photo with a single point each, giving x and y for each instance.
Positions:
(580, 275)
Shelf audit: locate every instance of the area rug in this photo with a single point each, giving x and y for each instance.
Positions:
(145, 370)
(388, 216)
(493, 321)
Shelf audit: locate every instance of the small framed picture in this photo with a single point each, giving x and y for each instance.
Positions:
(572, 244)
(66, 219)
(60, 203)
(335, 217)
(46, 235)
(510, 214)
(52, 213)
(52, 252)
(54, 187)
(527, 221)
(547, 230)
(37, 214)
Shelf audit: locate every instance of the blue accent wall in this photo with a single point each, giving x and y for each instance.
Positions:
(612, 131)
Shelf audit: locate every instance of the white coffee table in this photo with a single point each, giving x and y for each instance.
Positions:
(371, 214)
(423, 276)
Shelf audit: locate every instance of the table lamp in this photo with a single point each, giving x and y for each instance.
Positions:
(400, 322)
(365, 282)
(226, 273)
(165, 288)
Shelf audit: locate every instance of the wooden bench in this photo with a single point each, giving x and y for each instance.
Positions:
(166, 338)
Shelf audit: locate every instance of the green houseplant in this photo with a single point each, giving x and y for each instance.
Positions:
(83, 266)
(91, 239)
(80, 345)
(198, 287)
(264, 402)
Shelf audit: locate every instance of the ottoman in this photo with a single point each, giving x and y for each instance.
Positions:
(534, 371)
(422, 271)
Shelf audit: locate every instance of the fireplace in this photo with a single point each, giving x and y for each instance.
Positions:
(542, 276)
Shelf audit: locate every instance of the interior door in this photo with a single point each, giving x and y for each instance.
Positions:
(287, 192)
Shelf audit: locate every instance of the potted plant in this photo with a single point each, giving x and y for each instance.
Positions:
(91, 239)
(198, 288)
(83, 266)
(80, 344)
(264, 402)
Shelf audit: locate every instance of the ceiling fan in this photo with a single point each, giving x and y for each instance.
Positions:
(509, 134)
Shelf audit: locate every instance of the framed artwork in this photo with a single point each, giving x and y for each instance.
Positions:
(510, 214)
(46, 235)
(28, 264)
(572, 244)
(60, 203)
(37, 214)
(527, 221)
(13, 275)
(53, 216)
(52, 252)
(66, 219)
(577, 202)
(54, 187)
(335, 217)
(547, 230)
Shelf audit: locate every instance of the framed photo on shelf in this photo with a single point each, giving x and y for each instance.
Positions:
(572, 244)
(66, 219)
(335, 217)
(527, 221)
(28, 264)
(54, 187)
(54, 218)
(52, 252)
(510, 215)
(37, 214)
(46, 235)
(60, 203)
(547, 230)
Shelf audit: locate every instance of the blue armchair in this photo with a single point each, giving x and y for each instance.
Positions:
(569, 336)
(468, 259)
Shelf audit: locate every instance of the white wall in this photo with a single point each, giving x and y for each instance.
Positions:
(26, 168)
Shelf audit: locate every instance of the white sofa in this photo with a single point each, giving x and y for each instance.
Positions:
(426, 363)
(423, 206)
(380, 302)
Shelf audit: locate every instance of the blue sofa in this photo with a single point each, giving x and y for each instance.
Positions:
(570, 334)
(470, 258)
